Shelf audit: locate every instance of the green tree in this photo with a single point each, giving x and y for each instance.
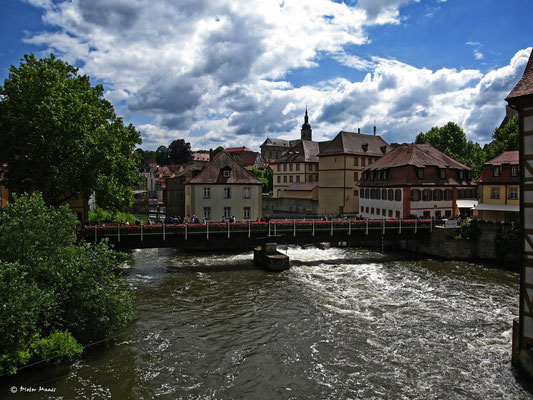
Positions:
(266, 176)
(55, 293)
(179, 151)
(452, 141)
(162, 156)
(506, 138)
(61, 137)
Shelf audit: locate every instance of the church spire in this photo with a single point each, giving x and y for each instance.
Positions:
(306, 128)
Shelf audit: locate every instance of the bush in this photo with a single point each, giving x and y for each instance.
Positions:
(50, 284)
(508, 247)
(58, 347)
(102, 216)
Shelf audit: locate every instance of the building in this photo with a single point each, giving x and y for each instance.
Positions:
(341, 164)
(156, 180)
(297, 170)
(499, 188)
(272, 149)
(248, 157)
(4, 194)
(175, 188)
(196, 156)
(224, 188)
(415, 180)
(521, 99)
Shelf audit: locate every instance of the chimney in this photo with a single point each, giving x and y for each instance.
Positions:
(374, 130)
(359, 130)
(211, 155)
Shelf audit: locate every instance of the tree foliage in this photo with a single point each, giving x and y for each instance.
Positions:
(162, 156)
(179, 151)
(452, 141)
(60, 136)
(55, 293)
(266, 176)
(504, 139)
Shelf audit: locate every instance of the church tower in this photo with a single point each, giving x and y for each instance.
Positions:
(306, 128)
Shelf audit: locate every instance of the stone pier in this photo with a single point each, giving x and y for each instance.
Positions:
(268, 257)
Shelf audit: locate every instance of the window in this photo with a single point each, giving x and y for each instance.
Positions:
(279, 179)
(227, 193)
(297, 167)
(355, 161)
(246, 212)
(461, 174)
(297, 177)
(246, 192)
(384, 194)
(415, 195)
(448, 194)
(437, 195)
(383, 212)
(310, 167)
(310, 178)
(398, 195)
(514, 170)
(495, 193)
(426, 195)
(448, 213)
(385, 174)
(378, 211)
(427, 214)
(356, 193)
(284, 167)
(378, 194)
(390, 213)
(207, 212)
(496, 171)
(391, 195)
(227, 212)
(279, 167)
(365, 175)
(513, 193)
(207, 192)
(371, 175)
(367, 210)
(226, 173)
(369, 161)
(420, 173)
(442, 173)
(279, 191)
(290, 178)
(285, 179)
(356, 176)
(290, 167)
(362, 161)
(367, 193)
(362, 209)
(437, 214)
(379, 175)
(372, 210)
(397, 214)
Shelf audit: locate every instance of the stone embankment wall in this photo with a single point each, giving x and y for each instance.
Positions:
(444, 243)
(283, 207)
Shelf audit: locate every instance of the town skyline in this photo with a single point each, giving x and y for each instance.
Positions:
(224, 74)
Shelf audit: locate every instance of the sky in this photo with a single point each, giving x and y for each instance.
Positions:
(232, 73)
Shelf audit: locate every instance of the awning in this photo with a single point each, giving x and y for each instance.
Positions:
(497, 207)
(466, 203)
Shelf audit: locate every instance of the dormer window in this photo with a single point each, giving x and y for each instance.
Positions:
(514, 170)
(385, 174)
(365, 147)
(461, 174)
(496, 171)
(379, 175)
(371, 175)
(365, 175)
(225, 173)
(420, 173)
(383, 149)
(442, 173)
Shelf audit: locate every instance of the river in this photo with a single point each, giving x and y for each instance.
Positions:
(340, 324)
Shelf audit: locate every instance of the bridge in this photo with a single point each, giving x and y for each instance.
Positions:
(249, 235)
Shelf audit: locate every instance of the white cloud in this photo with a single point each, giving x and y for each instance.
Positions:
(220, 68)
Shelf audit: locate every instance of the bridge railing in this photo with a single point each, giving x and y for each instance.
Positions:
(272, 228)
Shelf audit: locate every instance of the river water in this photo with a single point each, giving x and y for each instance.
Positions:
(340, 324)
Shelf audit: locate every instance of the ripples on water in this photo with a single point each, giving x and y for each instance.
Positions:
(341, 324)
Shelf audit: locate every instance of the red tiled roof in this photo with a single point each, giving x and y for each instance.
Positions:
(303, 151)
(355, 143)
(200, 156)
(213, 173)
(524, 87)
(233, 149)
(419, 155)
(508, 157)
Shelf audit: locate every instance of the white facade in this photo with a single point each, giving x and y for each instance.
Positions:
(217, 202)
(368, 208)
